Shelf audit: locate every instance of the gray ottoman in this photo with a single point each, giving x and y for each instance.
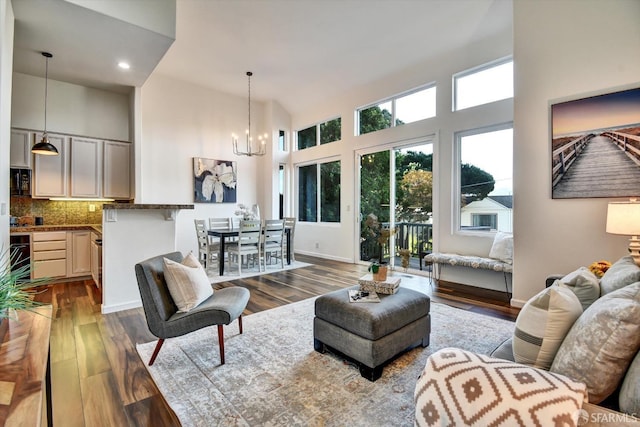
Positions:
(371, 333)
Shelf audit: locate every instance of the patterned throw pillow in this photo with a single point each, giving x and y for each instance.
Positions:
(461, 388)
(542, 324)
(187, 282)
(622, 273)
(601, 344)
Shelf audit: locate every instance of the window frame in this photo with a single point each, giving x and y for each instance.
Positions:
(475, 70)
(457, 178)
(318, 196)
(392, 99)
(318, 133)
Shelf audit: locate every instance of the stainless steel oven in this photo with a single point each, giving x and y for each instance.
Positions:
(20, 243)
(96, 259)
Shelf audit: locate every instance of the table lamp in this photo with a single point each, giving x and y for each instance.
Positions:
(624, 218)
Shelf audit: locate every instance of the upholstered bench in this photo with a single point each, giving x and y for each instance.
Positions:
(371, 333)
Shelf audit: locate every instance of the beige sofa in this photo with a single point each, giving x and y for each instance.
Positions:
(581, 332)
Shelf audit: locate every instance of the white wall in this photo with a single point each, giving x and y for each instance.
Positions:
(562, 49)
(6, 67)
(338, 242)
(181, 121)
(71, 109)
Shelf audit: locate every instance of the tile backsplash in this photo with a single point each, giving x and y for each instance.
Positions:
(57, 212)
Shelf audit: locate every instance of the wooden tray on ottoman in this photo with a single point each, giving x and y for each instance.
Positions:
(389, 286)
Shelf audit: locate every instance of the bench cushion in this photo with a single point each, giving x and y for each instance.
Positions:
(469, 261)
(372, 320)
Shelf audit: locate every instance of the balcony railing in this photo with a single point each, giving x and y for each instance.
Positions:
(417, 237)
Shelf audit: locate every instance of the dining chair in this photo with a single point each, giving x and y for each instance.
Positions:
(273, 240)
(207, 251)
(290, 223)
(248, 243)
(223, 223)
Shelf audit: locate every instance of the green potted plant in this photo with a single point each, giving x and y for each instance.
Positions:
(378, 271)
(17, 289)
(375, 230)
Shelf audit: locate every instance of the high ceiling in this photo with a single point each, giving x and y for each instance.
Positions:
(301, 52)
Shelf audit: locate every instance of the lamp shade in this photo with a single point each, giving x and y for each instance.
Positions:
(44, 147)
(623, 218)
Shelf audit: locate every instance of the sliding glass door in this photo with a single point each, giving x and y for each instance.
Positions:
(396, 200)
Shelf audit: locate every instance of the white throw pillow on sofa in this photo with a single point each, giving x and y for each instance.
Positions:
(187, 282)
(584, 284)
(502, 248)
(542, 324)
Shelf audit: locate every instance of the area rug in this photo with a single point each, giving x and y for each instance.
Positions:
(251, 272)
(273, 376)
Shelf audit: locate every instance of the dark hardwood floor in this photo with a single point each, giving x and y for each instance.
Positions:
(99, 380)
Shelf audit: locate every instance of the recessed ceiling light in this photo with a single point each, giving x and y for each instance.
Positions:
(124, 65)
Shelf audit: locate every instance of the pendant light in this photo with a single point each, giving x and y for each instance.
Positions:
(262, 140)
(44, 146)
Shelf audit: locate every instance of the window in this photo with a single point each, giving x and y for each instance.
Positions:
(485, 220)
(485, 173)
(281, 141)
(482, 85)
(326, 132)
(397, 111)
(323, 176)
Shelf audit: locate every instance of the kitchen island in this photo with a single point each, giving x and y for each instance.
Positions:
(132, 233)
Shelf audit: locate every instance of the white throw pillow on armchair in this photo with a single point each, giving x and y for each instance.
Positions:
(187, 282)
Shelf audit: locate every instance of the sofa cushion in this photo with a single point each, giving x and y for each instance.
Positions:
(629, 397)
(458, 387)
(502, 247)
(584, 284)
(600, 345)
(542, 324)
(622, 273)
(187, 282)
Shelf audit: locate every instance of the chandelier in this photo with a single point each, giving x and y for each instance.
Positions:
(44, 146)
(262, 139)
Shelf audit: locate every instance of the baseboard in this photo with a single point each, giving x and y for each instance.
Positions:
(106, 309)
(517, 303)
(470, 291)
(324, 256)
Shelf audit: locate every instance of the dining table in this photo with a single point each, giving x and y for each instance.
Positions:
(224, 234)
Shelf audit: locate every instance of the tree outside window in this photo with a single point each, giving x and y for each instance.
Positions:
(324, 204)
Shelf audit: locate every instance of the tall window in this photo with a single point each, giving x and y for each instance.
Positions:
(323, 204)
(482, 85)
(399, 110)
(485, 176)
(326, 132)
(282, 146)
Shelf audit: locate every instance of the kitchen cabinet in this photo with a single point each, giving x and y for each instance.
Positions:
(50, 173)
(117, 170)
(78, 253)
(86, 167)
(49, 254)
(20, 149)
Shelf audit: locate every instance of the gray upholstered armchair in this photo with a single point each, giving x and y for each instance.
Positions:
(164, 320)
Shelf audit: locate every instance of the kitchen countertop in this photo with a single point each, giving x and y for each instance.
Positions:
(64, 227)
(108, 206)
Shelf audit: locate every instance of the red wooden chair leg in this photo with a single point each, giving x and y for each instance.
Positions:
(156, 351)
(221, 343)
(240, 323)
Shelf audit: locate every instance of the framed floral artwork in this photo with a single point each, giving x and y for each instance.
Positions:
(214, 181)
